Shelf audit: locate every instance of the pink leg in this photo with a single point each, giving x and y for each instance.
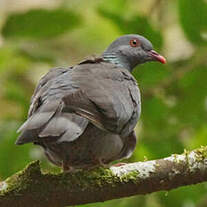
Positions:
(119, 164)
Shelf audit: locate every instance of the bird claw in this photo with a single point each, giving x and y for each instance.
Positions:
(119, 164)
(67, 169)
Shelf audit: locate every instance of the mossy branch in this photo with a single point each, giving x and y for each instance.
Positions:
(37, 189)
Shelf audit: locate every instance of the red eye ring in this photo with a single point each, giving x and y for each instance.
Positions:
(134, 42)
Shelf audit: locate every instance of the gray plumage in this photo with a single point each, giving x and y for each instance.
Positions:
(84, 116)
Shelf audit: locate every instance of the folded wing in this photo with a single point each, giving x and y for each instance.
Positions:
(66, 100)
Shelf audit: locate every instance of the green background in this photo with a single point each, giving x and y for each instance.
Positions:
(38, 35)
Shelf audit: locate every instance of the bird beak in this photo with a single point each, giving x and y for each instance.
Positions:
(157, 57)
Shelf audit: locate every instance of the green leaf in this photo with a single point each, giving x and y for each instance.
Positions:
(134, 25)
(40, 23)
(12, 61)
(118, 6)
(16, 93)
(149, 75)
(193, 16)
(199, 138)
(185, 196)
(190, 107)
(157, 129)
(12, 157)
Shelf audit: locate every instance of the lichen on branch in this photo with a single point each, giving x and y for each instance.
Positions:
(54, 190)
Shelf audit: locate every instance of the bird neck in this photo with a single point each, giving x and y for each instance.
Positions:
(116, 59)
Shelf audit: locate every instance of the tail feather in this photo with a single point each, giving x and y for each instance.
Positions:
(27, 136)
(64, 127)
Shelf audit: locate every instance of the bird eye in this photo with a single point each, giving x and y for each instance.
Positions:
(134, 42)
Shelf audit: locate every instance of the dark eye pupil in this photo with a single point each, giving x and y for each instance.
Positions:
(134, 42)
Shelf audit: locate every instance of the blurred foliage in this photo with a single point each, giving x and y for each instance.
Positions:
(136, 24)
(174, 96)
(193, 15)
(40, 23)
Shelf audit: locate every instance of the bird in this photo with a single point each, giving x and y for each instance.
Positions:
(84, 116)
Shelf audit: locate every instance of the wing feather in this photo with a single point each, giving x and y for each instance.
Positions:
(66, 100)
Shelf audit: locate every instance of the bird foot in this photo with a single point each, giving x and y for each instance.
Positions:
(102, 164)
(97, 163)
(119, 164)
(67, 169)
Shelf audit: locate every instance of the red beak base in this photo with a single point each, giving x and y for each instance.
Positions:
(157, 57)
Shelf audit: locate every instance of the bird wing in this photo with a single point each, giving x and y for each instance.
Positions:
(65, 100)
(45, 117)
(108, 96)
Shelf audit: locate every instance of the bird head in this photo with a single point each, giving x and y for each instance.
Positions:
(130, 50)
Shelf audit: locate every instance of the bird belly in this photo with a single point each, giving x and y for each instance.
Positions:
(93, 148)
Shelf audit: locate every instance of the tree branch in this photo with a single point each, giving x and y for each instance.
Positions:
(55, 190)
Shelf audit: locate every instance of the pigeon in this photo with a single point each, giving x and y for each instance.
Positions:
(84, 115)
